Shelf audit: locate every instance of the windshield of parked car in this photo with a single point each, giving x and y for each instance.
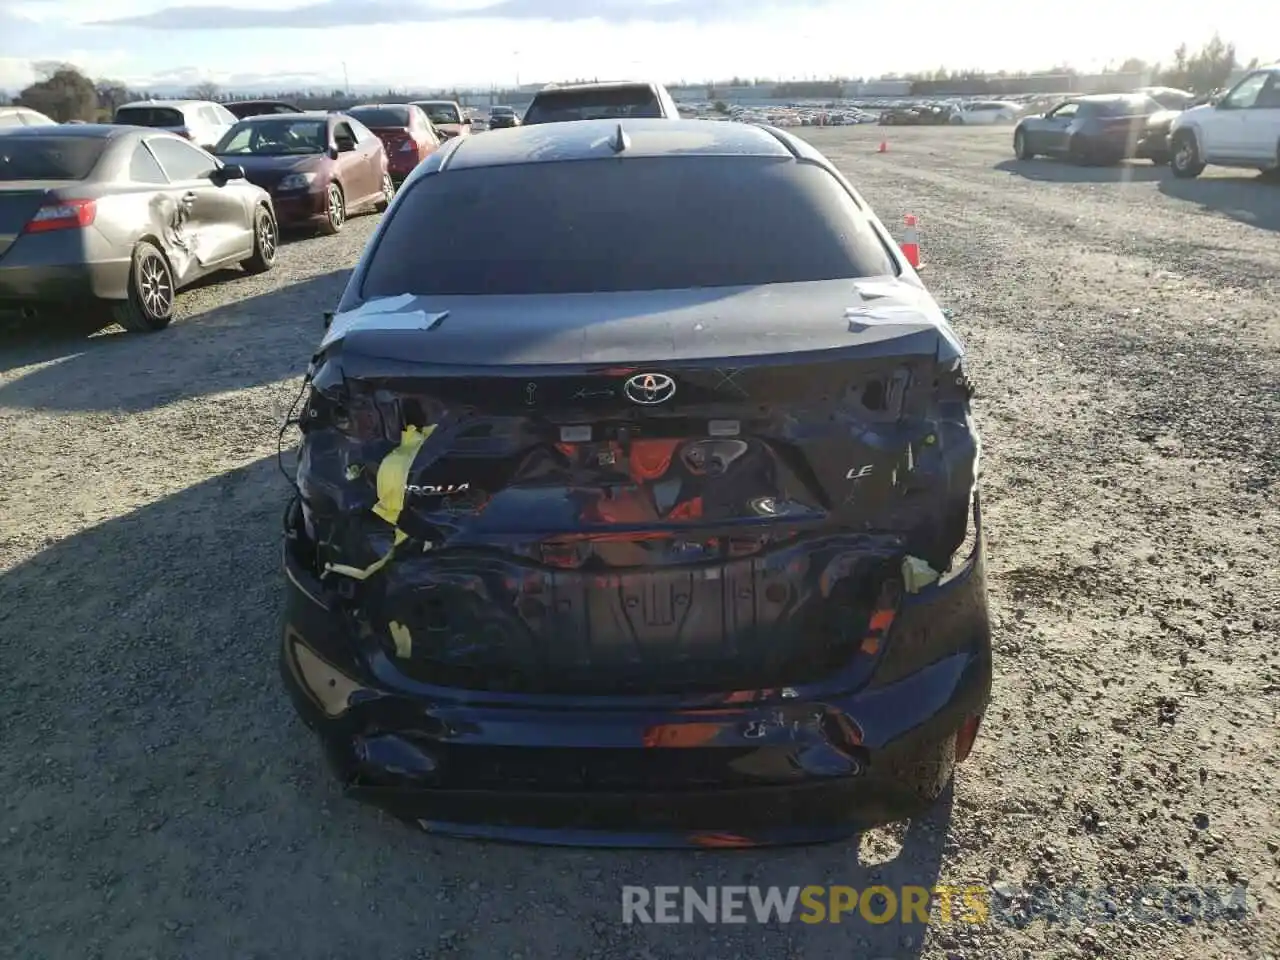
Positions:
(595, 103)
(442, 112)
(49, 158)
(151, 117)
(373, 117)
(275, 137)
(643, 224)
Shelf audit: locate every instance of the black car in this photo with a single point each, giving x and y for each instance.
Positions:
(501, 117)
(115, 220)
(258, 108)
(1101, 128)
(616, 100)
(631, 512)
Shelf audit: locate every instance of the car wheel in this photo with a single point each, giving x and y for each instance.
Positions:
(335, 210)
(151, 292)
(1186, 160)
(1077, 151)
(266, 242)
(1272, 174)
(1021, 148)
(388, 192)
(927, 774)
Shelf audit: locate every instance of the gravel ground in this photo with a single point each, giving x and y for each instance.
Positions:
(162, 802)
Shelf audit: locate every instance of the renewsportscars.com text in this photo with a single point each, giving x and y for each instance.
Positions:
(972, 904)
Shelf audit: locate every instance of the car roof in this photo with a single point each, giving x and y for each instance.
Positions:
(1108, 97)
(595, 139)
(597, 84)
(372, 106)
(304, 115)
(84, 131)
(165, 103)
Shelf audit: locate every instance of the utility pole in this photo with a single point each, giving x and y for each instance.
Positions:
(346, 79)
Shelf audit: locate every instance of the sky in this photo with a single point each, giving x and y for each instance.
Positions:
(426, 44)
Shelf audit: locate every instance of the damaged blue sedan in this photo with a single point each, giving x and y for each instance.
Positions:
(637, 500)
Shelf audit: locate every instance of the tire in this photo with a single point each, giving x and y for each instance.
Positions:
(266, 242)
(335, 209)
(1076, 152)
(388, 192)
(928, 774)
(1185, 156)
(1021, 148)
(152, 292)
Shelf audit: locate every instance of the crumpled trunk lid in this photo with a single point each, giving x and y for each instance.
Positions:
(711, 522)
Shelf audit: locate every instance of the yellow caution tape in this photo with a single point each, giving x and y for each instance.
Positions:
(393, 476)
(403, 639)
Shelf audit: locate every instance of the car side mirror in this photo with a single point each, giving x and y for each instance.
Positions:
(328, 318)
(332, 152)
(466, 121)
(226, 173)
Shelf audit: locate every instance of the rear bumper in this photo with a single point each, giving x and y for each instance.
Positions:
(400, 169)
(30, 283)
(742, 769)
(1153, 146)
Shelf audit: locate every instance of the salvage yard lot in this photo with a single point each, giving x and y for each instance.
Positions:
(161, 800)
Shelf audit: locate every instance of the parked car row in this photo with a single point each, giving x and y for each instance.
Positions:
(1240, 128)
(114, 219)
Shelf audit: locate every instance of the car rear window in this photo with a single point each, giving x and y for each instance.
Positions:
(639, 224)
(442, 112)
(381, 116)
(151, 117)
(49, 158)
(1128, 107)
(601, 103)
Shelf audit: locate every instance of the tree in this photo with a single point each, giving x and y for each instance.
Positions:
(112, 95)
(207, 90)
(1204, 71)
(64, 94)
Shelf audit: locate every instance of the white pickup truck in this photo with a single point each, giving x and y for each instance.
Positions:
(1242, 129)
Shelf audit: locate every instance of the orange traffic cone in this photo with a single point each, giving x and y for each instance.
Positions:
(911, 241)
(884, 147)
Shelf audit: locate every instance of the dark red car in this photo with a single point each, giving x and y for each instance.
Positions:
(318, 167)
(404, 129)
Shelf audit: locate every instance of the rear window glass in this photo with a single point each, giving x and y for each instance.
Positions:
(381, 116)
(442, 112)
(49, 158)
(558, 106)
(1113, 108)
(641, 224)
(151, 117)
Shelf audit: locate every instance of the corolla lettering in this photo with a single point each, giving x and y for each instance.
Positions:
(437, 489)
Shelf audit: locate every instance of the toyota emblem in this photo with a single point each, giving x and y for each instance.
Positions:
(649, 388)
